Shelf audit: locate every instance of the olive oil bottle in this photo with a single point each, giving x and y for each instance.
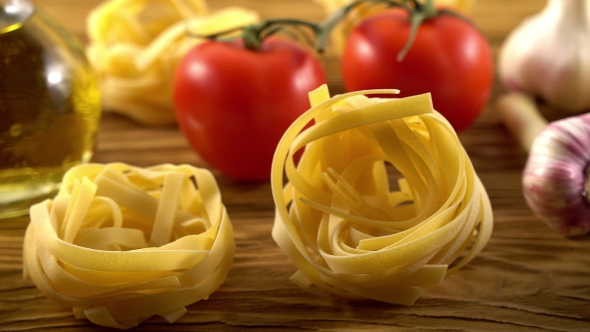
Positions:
(49, 106)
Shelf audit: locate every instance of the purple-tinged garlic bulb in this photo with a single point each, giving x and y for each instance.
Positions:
(555, 180)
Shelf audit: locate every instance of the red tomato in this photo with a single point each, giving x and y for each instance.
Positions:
(449, 58)
(234, 104)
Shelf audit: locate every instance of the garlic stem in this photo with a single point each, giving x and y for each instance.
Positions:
(570, 10)
(521, 117)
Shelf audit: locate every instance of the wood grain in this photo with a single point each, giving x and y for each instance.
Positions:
(528, 278)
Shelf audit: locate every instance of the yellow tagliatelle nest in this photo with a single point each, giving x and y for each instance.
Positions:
(337, 218)
(136, 45)
(120, 244)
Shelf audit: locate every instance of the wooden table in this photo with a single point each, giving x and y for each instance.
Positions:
(527, 278)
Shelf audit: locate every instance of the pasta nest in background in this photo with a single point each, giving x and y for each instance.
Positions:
(352, 233)
(120, 244)
(136, 45)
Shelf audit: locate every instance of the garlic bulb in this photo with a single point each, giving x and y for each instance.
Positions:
(548, 56)
(556, 179)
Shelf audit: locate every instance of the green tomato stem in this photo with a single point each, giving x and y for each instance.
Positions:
(253, 35)
(340, 14)
(419, 11)
(415, 21)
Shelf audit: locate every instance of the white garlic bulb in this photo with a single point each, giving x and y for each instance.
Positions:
(548, 56)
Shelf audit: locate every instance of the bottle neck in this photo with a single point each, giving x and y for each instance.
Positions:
(14, 13)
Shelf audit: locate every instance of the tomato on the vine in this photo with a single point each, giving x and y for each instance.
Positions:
(449, 57)
(233, 104)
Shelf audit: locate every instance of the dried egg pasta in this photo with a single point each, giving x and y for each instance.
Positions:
(136, 45)
(120, 244)
(337, 218)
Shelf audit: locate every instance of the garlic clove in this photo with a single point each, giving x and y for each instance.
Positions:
(548, 56)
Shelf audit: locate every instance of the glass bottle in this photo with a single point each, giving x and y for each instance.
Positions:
(49, 106)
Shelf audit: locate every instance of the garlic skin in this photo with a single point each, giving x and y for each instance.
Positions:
(548, 56)
(556, 176)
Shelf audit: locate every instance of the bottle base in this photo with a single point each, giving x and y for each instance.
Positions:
(17, 203)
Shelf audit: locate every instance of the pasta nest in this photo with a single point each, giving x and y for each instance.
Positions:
(348, 229)
(136, 45)
(120, 244)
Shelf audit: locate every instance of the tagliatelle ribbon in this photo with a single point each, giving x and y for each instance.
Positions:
(136, 45)
(337, 218)
(120, 244)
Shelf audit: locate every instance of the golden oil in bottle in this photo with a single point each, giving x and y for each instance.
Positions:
(49, 106)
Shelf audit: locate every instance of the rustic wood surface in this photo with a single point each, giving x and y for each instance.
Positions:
(527, 278)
